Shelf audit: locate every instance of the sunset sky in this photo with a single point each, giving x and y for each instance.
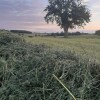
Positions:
(29, 15)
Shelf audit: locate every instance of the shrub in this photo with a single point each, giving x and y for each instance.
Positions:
(7, 38)
(97, 32)
(26, 73)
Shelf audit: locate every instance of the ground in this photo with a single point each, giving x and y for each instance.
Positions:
(40, 72)
(88, 45)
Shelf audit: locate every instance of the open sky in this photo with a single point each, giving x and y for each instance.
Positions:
(29, 15)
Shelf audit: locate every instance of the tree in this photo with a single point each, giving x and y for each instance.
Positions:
(68, 14)
(97, 32)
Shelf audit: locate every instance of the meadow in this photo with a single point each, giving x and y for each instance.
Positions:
(88, 45)
(43, 69)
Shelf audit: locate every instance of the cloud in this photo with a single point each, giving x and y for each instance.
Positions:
(96, 6)
(21, 11)
(86, 0)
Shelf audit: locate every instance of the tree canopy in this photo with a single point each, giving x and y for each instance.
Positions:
(67, 13)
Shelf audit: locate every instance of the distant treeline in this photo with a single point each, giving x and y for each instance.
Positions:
(62, 34)
(21, 31)
(97, 32)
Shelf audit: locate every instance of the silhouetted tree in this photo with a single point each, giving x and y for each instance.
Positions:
(97, 32)
(67, 14)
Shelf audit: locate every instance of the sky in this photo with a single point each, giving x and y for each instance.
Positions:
(29, 15)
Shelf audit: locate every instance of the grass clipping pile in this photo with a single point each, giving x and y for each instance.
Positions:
(36, 72)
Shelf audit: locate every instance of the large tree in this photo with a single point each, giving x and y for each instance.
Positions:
(68, 14)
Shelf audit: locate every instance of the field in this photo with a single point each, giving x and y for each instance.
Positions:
(51, 71)
(88, 45)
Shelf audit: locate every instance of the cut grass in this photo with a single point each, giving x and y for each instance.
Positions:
(85, 45)
(64, 87)
(37, 72)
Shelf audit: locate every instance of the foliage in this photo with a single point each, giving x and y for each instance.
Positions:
(7, 38)
(97, 32)
(62, 34)
(21, 31)
(26, 73)
(67, 13)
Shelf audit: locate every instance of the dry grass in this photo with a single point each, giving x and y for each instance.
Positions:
(85, 45)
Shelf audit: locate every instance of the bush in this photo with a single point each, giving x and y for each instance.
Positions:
(97, 32)
(26, 73)
(8, 38)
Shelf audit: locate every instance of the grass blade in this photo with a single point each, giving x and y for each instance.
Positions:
(64, 86)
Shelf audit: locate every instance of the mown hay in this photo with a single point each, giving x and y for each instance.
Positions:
(26, 73)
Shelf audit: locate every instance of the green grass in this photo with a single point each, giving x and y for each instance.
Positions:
(88, 45)
(37, 72)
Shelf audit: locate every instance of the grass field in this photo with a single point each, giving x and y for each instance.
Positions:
(38, 72)
(88, 45)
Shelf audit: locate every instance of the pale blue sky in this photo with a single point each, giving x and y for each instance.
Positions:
(29, 15)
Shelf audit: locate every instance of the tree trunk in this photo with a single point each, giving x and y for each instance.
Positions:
(65, 32)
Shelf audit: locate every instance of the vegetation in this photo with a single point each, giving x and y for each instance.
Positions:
(85, 45)
(51, 68)
(21, 31)
(97, 32)
(62, 34)
(67, 14)
(38, 72)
